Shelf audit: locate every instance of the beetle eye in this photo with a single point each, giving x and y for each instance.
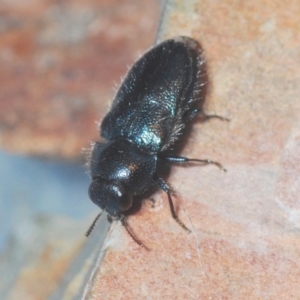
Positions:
(125, 202)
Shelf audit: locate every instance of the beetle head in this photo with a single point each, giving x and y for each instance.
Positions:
(110, 197)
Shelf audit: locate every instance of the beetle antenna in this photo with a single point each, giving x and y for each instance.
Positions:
(93, 224)
(125, 224)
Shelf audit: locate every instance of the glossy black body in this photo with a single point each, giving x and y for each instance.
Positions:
(161, 93)
(157, 97)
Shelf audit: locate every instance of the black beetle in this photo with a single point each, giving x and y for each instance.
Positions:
(161, 93)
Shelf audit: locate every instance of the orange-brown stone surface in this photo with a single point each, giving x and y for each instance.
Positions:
(60, 61)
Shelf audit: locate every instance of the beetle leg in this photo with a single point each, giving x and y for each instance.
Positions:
(123, 220)
(180, 160)
(164, 186)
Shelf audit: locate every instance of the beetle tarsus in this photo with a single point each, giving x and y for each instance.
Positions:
(204, 117)
(174, 215)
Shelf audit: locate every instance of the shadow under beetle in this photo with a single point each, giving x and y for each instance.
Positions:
(161, 93)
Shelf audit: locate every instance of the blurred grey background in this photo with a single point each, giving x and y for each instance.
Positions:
(61, 62)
